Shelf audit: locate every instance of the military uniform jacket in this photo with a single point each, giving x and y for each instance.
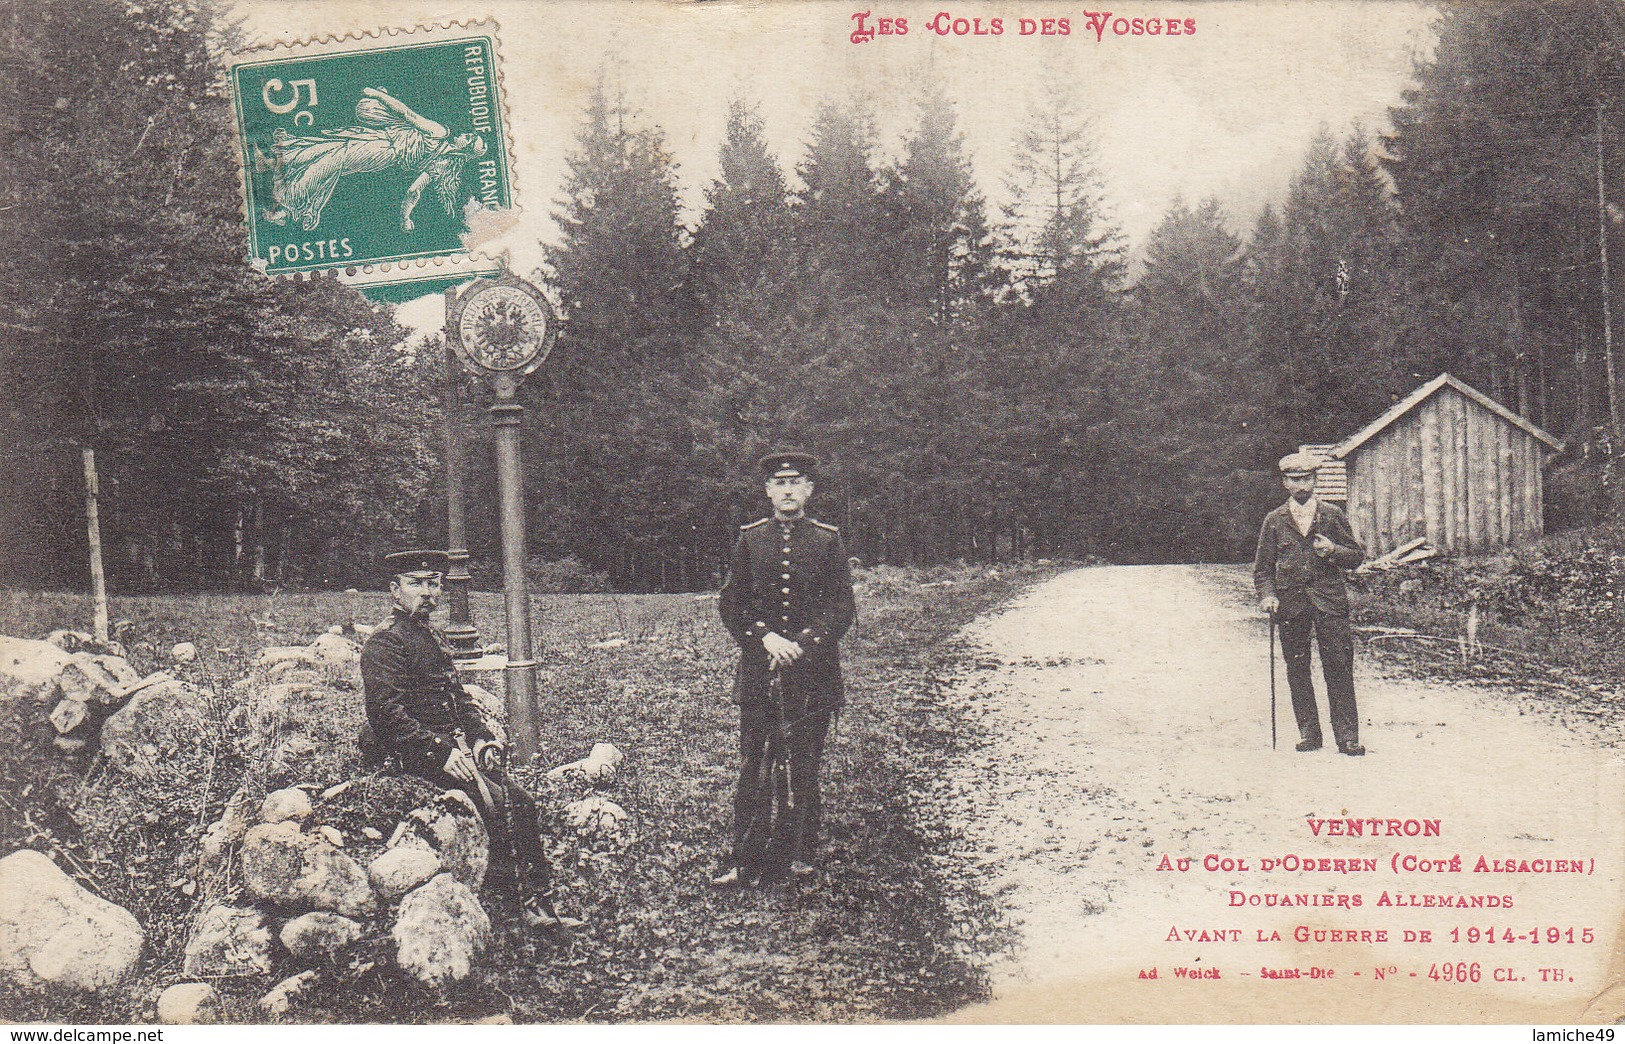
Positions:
(792, 578)
(415, 703)
(1287, 567)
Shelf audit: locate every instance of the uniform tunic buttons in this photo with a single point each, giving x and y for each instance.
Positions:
(784, 590)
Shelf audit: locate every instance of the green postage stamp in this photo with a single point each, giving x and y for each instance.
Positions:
(370, 155)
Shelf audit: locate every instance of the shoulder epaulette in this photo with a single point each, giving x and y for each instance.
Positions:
(758, 522)
(824, 525)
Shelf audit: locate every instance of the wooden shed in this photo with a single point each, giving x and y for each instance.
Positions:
(1447, 463)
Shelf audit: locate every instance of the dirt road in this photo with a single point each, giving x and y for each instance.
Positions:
(1127, 720)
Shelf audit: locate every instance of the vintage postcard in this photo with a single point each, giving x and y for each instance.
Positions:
(1134, 811)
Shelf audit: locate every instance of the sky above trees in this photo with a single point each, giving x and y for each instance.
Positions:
(1226, 112)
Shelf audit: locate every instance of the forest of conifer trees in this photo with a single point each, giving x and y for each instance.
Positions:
(983, 382)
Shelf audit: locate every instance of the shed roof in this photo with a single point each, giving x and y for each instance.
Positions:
(1420, 395)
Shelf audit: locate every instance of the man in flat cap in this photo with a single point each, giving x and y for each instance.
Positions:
(787, 602)
(420, 713)
(1303, 549)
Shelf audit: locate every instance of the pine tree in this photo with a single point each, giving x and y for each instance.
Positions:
(746, 267)
(1055, 224)
(1046, 374)
(1494, 159)
(1190, 429)
(1325, 285)
(616, 432)
(135, 326)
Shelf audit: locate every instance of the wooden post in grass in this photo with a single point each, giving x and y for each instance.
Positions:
(98, 581)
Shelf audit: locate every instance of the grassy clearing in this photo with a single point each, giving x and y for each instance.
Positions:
(892, 928)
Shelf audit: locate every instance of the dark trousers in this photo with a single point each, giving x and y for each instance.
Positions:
(771, 766)
(1336, 662)
(512, 824)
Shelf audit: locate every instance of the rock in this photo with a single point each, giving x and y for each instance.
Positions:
(97, 679)
(69, 715)
(333, 650)
(440, 929)
(451, 828)
(29, 669)
(226, 830)
(188, 1004)
(291, 671)
(304, 730)
(54, 931)
(400, 870)
(334, 837)
(70, 641)
(183, 652)
(337, 789)
(228, 940)
(334, 881)
(600, 766)
(372, 833)
(303, 871)
(287, 805)
(282, 653)
(283, 993)
(318, 935)
(596, 816)
(161, 724)
(490, 708)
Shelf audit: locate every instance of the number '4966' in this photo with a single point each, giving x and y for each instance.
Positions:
(1461, 971)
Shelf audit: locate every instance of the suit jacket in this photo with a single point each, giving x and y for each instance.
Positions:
(415, 703)
(1287, 567)
(792, 578)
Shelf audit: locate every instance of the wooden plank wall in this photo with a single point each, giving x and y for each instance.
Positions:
(1450, 471)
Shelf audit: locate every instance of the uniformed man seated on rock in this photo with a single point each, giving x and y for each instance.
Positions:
(419, 713)
(787, 602)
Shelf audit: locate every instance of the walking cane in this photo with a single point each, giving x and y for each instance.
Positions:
(1272, 681)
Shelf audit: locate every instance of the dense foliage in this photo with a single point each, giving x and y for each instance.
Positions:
(984, 383)
(243, 428)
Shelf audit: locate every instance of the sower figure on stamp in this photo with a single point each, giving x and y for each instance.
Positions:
(421, 714)
(787, 602)
(1303, 549)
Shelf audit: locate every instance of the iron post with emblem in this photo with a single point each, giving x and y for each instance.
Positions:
(503, 329)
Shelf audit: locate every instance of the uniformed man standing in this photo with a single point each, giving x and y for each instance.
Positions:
(418, 711)
(787, 602)
(1303, 548)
